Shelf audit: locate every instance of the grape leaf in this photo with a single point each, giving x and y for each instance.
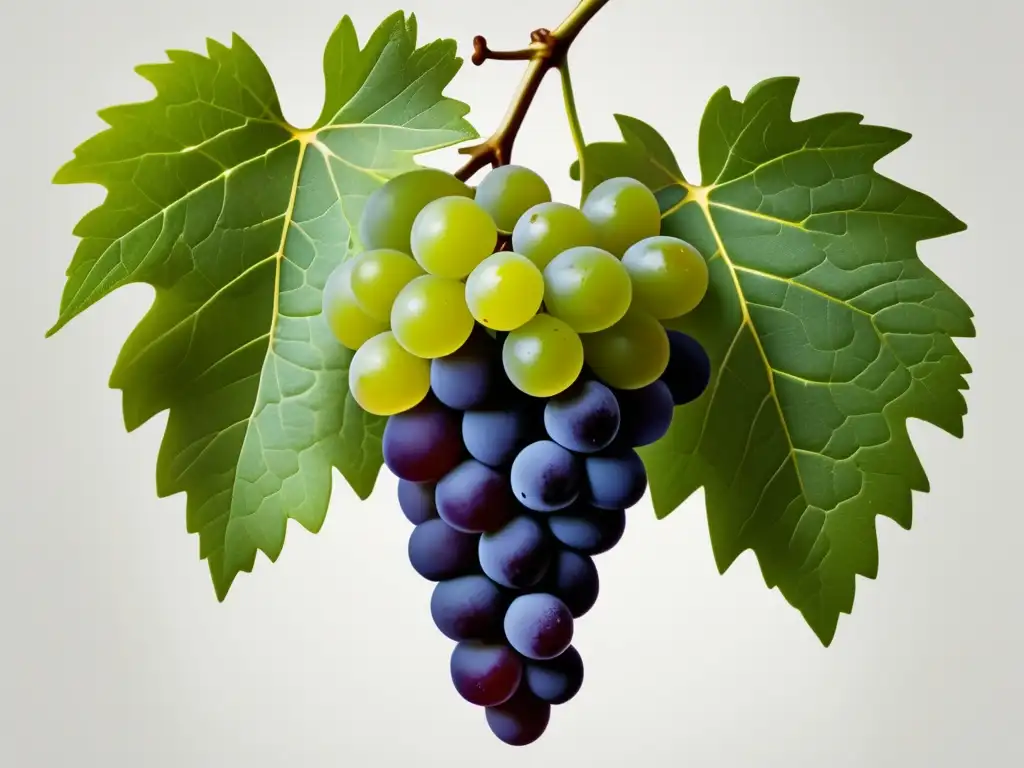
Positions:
(825, 331)
(236, 218)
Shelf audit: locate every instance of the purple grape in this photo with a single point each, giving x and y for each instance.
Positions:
(494, 437)
(556, 681)
(573, 579)
(545, 477)
(485, 675)
(615, 479)
(646, 414)
(423, 444)
(474, 498)
(539, 626)
(466, 378)
(438, 552)
(584, 418)
(468, 608)
(588, 530)
(516, 556)
(689, 368)
(417, 501)
(521, 720)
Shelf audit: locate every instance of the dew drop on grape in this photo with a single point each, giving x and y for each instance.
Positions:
(485, 675)
(424, 443)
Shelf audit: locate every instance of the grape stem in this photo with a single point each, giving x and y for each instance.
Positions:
(547, 50)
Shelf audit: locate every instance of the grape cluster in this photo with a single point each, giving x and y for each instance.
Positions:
(518, 385)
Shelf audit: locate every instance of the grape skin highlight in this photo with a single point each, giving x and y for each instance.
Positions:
(669, 276)
(588, 288)
(377, 277)
(385, 379)
(351, 326)
(521, 720)
(631, 354)
(504, 291)
(548, 229)
(543, 357)
(430, 317)
(451, 235)
(485, 675)
(506, 192)
(623, 211)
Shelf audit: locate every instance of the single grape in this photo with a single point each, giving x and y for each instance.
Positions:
(494, 437)
(572, 578)
(485, 675)
(378, 276)
(622, 212)
(474, 498)
(669, 276)
(430, 317)
(689, 369)
(646, 414)
(451, 235)
(506, 192)
(466, 378)
(548, 229)
(386, 221)
(517, 555)
(615, 480)
(504, 291)
(542, 357)
(588, 530)
(588, 288)
(438, 552)
(384, 379)
(558, 680)
(519, 721)
(416, 501)
(545, 477)
(351, 326)
(469, 608)
(584, 418)
(424, 443)
(629, 355)
(539, 626)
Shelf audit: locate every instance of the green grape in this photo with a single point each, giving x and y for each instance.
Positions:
(504, 291)
(669, 276)
(623, 211)
(348, 322)
(430, 317)
(588, 288)
(378, 276)
(547, 229)
(508, 191)
(451, 235)
(387, 217)
(543, 357)
(386, 379)
(631, 354)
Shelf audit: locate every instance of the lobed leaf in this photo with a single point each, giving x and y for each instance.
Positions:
(825, 330)
(237, 218)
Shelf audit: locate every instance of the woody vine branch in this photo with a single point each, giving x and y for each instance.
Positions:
(547, 50)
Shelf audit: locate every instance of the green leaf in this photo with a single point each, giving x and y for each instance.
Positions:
(825, 330)
(236, 218)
